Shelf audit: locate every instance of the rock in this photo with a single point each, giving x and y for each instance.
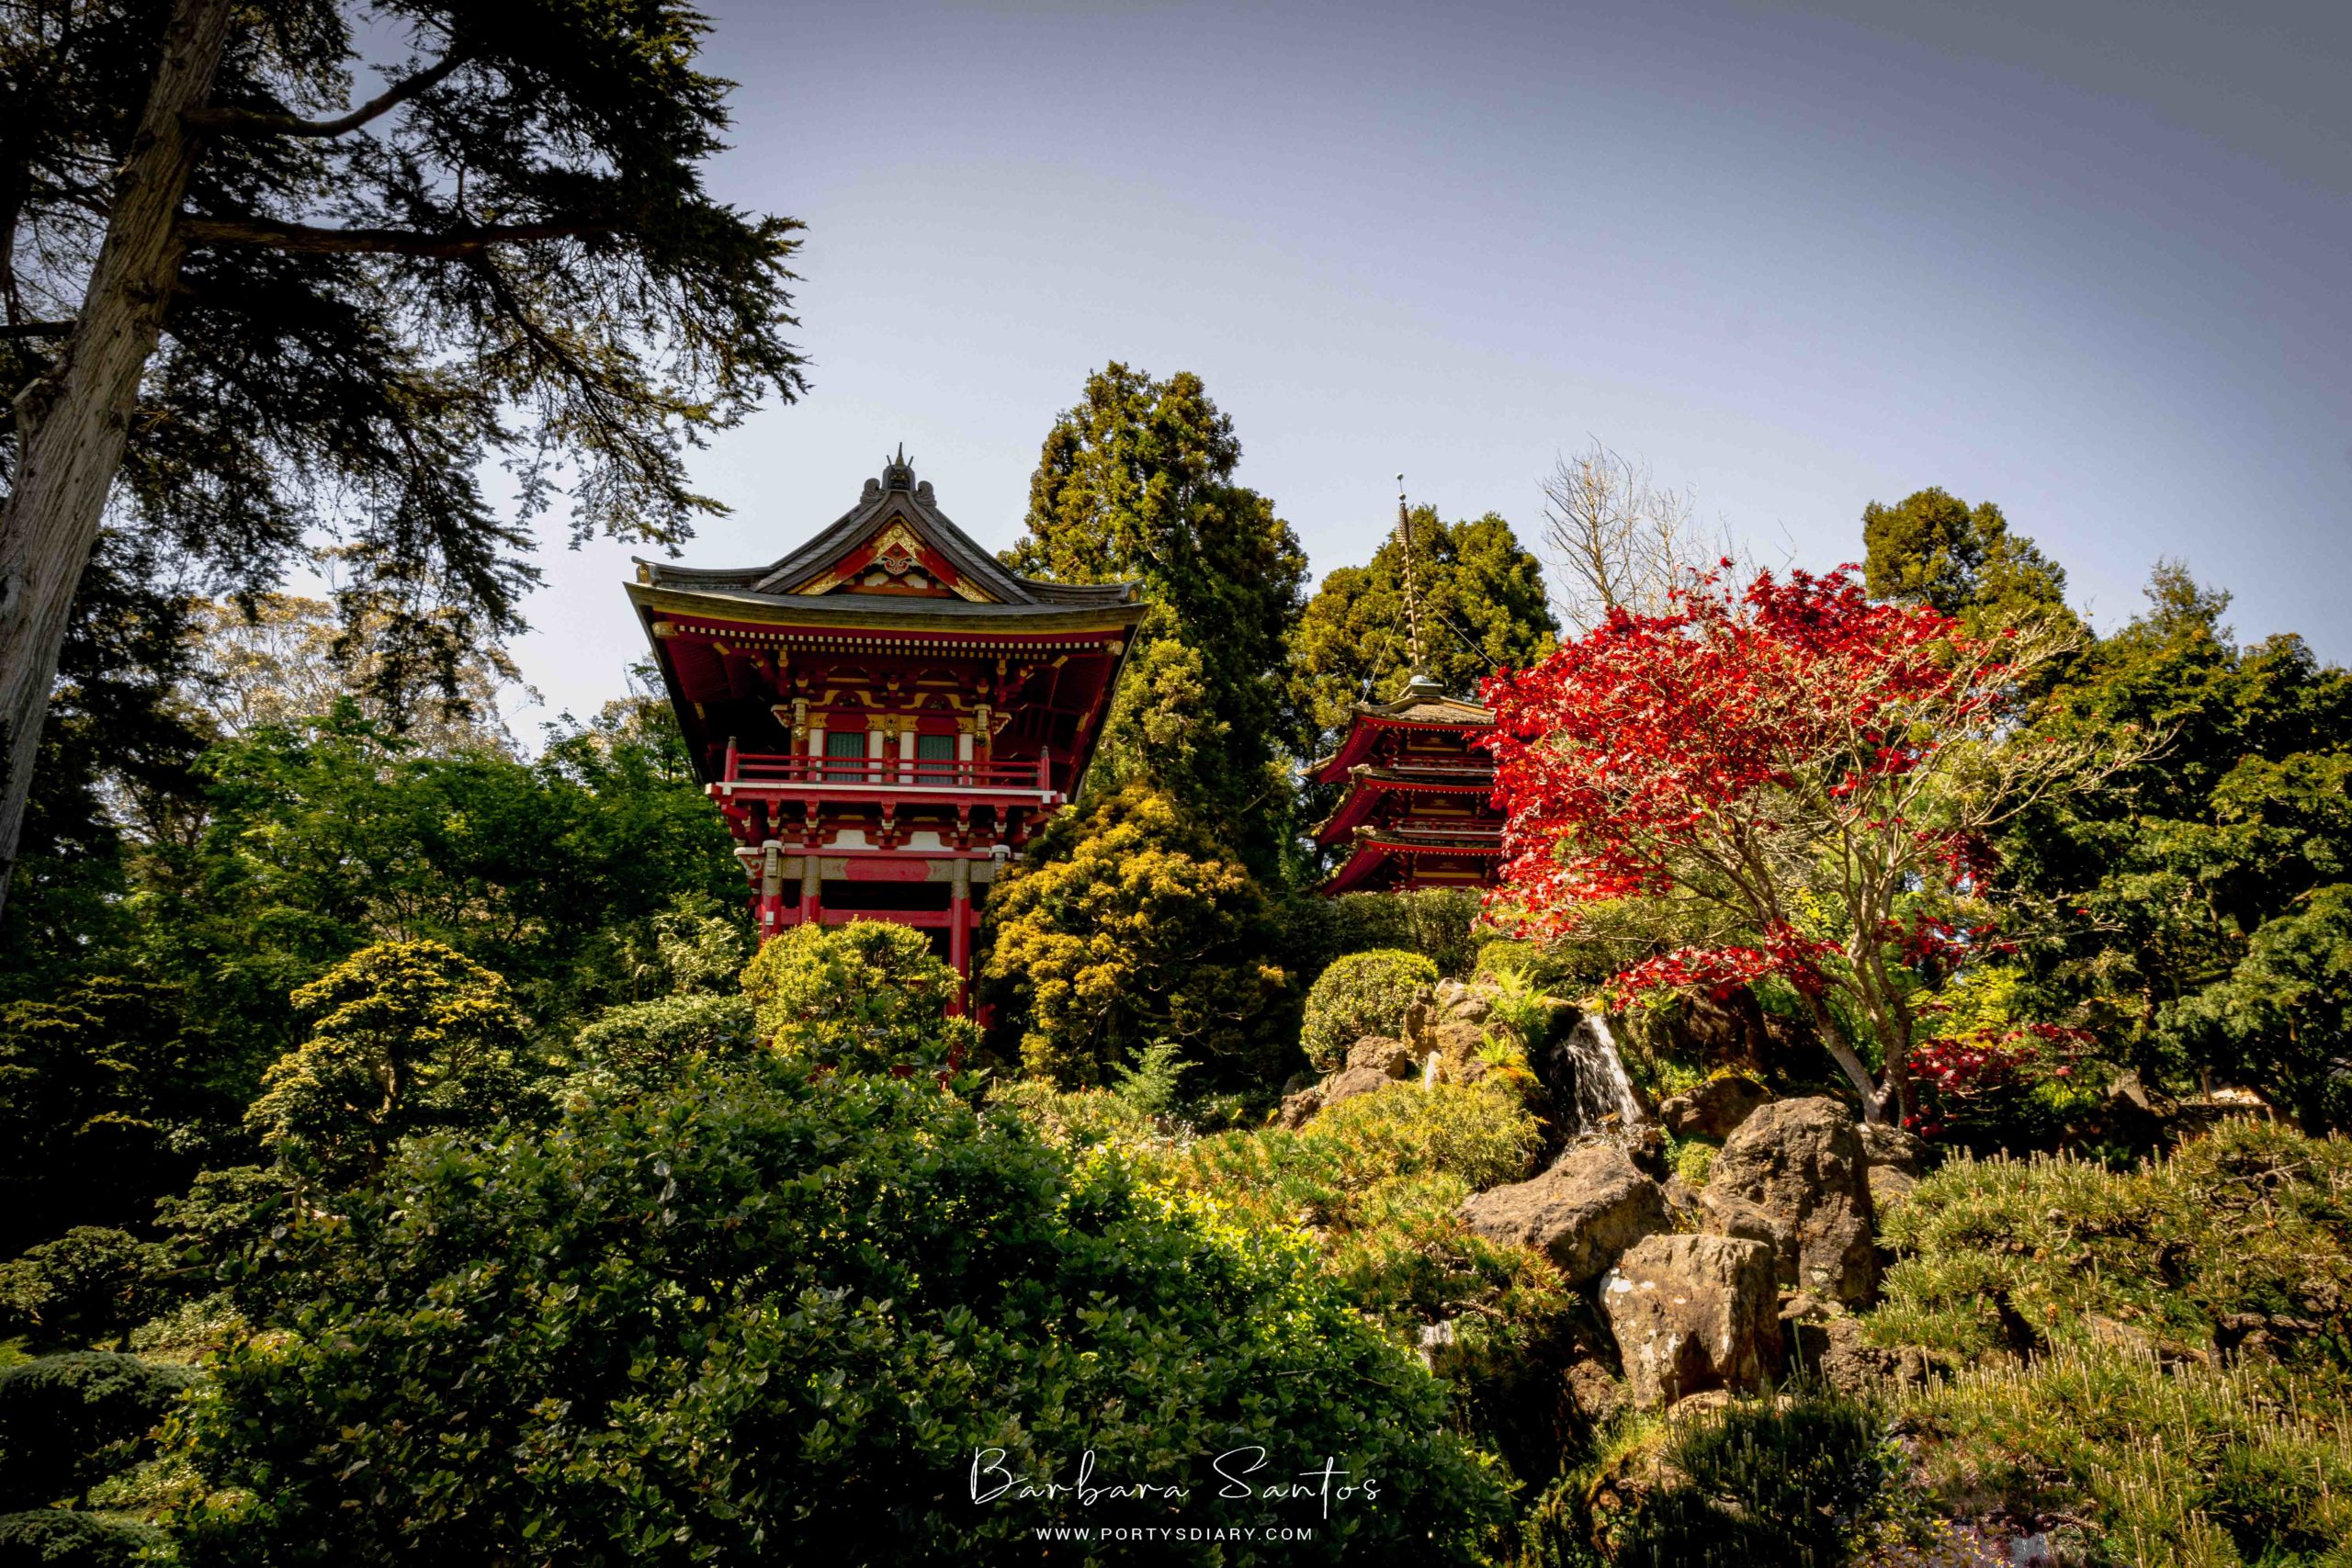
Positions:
(1445, 993)
(1681, 1203)
(1457, 1041)
(1698, 1028)
(1473, 1009)
(1393, 1057)
(1437, 1347)
(1885, 1144)
(1297, 1108)
(1692, 1312)
(1830, 1346)
(1597, 1392)
(1800, 1163)
(1890, 1184)
(1349, 1082)
(1581, 1213)
(1714, 1109)
(1724, 1213)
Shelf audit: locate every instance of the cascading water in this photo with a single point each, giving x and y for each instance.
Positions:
(1589, 1082)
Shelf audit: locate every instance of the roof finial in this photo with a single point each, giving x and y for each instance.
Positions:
(896, 472)
(1412, 587)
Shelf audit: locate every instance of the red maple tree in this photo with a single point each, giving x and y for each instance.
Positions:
(1818, 773)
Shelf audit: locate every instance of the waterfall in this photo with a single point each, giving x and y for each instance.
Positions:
(1589, 1082)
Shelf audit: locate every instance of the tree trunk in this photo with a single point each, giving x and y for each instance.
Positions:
(71, 423)
(1850, 1062)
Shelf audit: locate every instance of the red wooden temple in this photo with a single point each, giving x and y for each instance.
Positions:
(1418, 811)
(886, 714)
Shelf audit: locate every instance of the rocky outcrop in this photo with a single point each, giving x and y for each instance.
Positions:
(1896, 1159)
(1352, 1082)
(1825, 1341)
(1383, 1055)
(1581, 1213)
(1794, 1173)
(1299, 1107)
(1692, 1312)
(1714, 1109)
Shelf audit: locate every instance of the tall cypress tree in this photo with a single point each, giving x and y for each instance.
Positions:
(1137, 482)
(247, 304)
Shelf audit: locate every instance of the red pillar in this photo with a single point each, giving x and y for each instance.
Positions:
(959, 931)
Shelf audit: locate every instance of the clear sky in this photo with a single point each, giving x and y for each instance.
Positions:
(2088, 259)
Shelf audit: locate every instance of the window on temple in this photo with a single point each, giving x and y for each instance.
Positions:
(843, 743)
(934, 749)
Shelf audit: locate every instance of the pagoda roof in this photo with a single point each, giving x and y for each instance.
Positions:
(1421, 704)
(1376, 847)
(818, 583)
(1367, 784)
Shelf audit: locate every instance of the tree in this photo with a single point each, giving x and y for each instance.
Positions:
(241, 310)
(2283, 1015)
(1482, 608)
(1139, 925)
(1933, 548)
(1618, 540)
(1137, 482)
(1820, 771)
(778, 1310)
(408, 1037)
(2154, 892)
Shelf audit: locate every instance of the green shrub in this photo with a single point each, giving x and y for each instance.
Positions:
(66, 1421)
(408, 1037)
(775, 1313)
(1364, 993)
(54, 1538)
(88, 1285)
(865, 997)
(642, 1045)
(1799, 1481)
(1439, 923)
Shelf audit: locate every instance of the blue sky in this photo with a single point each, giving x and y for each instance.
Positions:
(2086, 260)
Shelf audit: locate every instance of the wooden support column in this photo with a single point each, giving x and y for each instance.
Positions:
(812, 890)
(959, 930)
(771, 889)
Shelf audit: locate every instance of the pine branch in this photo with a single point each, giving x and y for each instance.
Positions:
(248, 122)
(450, 245)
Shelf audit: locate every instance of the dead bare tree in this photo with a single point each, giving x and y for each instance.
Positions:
(1614, 538)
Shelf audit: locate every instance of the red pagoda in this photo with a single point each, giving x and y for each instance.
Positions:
(1418, 811)
(886, 714)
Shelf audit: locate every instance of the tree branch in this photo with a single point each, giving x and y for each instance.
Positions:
(452, 245)
(248, 122)
(37, 329)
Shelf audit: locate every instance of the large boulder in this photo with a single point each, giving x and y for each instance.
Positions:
(1714, 1109)
(1351, 1082)
(1886, 1143)
(1692, 1312)
(1300, 1108)
(1795, 1172)
(1590, 1206)
(1393, 1057)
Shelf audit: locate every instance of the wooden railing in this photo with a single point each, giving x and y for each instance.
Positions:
(902, 773)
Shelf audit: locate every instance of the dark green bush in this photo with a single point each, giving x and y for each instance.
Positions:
(67, 1421)
(54, 1538)
(88, 1285)
(1364, 993)
(1439, 923)
(774, 1312)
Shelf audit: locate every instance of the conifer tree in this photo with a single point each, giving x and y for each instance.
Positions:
(254, 293)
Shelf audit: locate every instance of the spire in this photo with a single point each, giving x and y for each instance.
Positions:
(1412, 587)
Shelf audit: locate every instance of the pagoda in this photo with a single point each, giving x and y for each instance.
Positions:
(886, 714)
(1418, 811)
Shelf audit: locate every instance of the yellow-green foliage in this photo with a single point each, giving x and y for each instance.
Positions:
(2076, 1308)
(2252, 1217)
(1364, 993)
(2190, 1466)
(1137, 925)
(410, 1037)
(866, 995)
(1376, 1179)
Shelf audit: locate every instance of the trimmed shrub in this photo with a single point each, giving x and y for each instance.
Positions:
(866, 995)
(778, 1310)
(1364, 993)
(67, 1421)
(642, 1046)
